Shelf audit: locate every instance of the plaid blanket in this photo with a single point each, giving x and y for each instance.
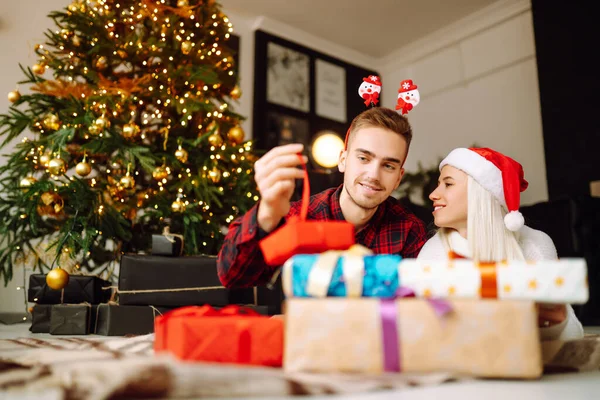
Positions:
(88, 368)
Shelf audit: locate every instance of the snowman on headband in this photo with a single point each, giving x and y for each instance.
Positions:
(369, 90)
(408, 96)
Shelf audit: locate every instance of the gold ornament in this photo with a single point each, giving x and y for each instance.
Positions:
(38, 69)
(51, 204)
(122, 53)
(101, 63)
(160, 173)
(57, 279)
(236, 134)
(178, 206)
(76, 41)
(56, 166)
(127, 182)
(51, 122)
(181, 154)
(130, 130)
(27, 182)
(236, 93)
(14, 96)
(94, 130)
(44, 159)
(102, 122)
(73, 7)
(83, 168)
(215, 140)
(186, 47)
(213, 127)
(214, 175)
(182, 3)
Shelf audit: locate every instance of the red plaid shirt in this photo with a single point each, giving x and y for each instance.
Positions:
(392, 230)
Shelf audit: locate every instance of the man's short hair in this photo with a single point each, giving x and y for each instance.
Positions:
(381, 117)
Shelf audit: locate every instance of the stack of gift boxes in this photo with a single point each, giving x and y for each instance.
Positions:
(355, 312)
(148, 286)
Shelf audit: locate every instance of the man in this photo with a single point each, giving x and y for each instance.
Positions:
(376, 148)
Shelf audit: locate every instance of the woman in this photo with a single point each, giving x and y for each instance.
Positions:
(476, 208)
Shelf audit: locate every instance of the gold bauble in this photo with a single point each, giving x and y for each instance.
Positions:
(186, 47)
(181, 154)
(214, 175)
(83, 168)
(101, 63)
(56, 166)
(130, 130)
(160, 173)
(57, 279)
(102, 122)
(38, 69)
(236, 93)
(51, 204)
(51, 122)
(178, 206)
(27, 182)
(122, 53)
(182, 3)
(76, 41)
(14, 96)
(215, 140)
(236, 134)
(127, 182)
(44, 160)
(94, 130)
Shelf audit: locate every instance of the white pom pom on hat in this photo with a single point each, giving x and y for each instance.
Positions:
(500, 175)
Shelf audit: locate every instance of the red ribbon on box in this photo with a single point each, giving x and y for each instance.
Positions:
(299, 236)
(233, 334)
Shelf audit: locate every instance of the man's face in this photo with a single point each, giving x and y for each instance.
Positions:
(372, 165)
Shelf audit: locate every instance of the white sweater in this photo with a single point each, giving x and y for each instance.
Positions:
(536, 245)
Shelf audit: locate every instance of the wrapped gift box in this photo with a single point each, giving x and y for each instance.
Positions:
(230, 335)
(116, 320)
(71, 319)
(80, 289)
(40, 318)
(342, 274)
(485, 338)
(175, 282)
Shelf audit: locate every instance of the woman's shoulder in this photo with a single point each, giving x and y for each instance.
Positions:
(536, 245)
(433, 248)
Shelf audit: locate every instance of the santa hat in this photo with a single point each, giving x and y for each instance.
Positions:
(498, 174)
(406, 86)
(373, 79)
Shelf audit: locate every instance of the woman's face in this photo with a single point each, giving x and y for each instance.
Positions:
(450, 199)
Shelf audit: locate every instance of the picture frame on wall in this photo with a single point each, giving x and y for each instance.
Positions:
(285, 129)
(288, 77)
(330, 87)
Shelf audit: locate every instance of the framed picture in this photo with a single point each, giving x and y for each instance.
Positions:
(330, 88)
(284, 129)
(288, 77)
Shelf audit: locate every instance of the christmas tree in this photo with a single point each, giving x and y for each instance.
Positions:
(128, 128)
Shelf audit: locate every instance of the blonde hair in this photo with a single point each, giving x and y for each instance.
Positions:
(487, 236)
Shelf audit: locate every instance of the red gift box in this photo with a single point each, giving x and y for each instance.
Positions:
(232, 334)
(299, 236)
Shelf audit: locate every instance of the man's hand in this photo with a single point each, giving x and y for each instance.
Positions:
(274, 174)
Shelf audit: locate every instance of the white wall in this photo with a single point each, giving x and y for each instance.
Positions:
(478, 84)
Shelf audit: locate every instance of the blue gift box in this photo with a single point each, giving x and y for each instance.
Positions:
(380, 276)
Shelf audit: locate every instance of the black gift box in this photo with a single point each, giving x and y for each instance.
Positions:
(40, 318)
(80, 289)
(175, 282)
(71, 319)
(167, 245)
(117, 320)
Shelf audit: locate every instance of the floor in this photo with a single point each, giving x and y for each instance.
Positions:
(558, 386)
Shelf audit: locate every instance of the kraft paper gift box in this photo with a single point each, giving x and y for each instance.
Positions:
(483, 338)
(117, 320)
(344, 274)
(79, 289)
(71, 319)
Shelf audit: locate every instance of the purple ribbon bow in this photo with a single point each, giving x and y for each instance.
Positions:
(387, 309)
